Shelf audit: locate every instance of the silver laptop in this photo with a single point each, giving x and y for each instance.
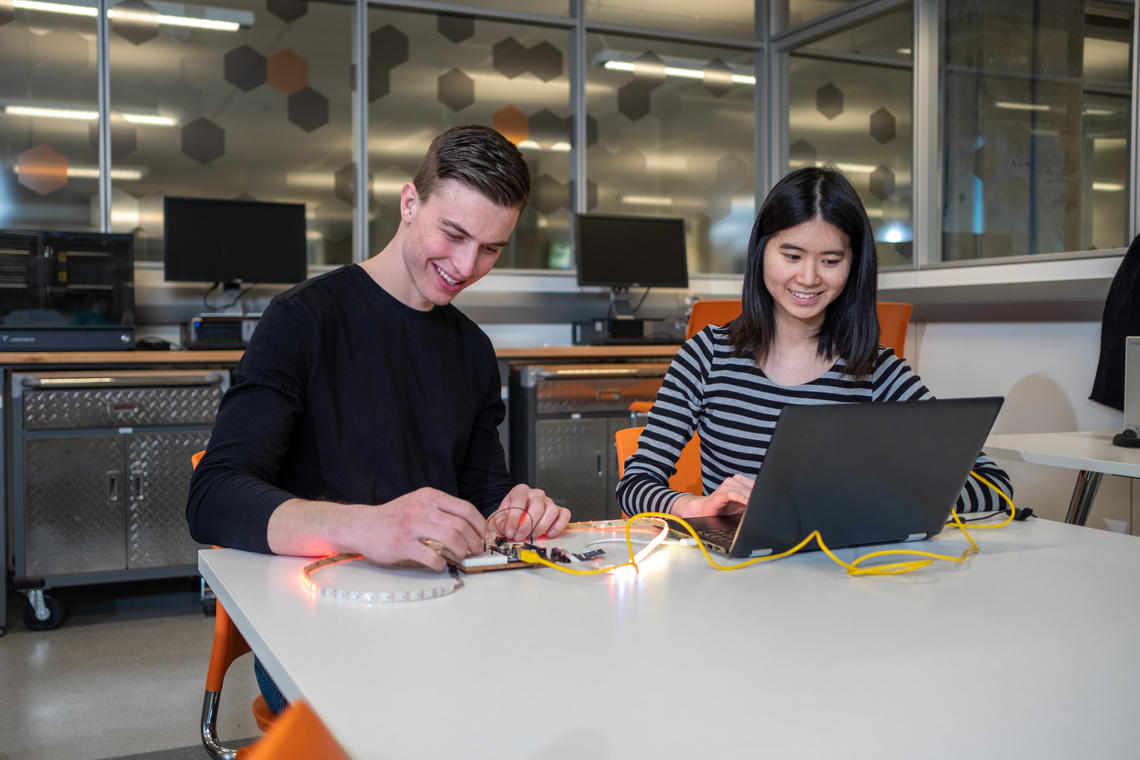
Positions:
(861, 474)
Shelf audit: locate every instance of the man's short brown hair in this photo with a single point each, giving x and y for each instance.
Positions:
(480, 158)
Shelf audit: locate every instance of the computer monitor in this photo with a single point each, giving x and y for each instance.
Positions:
(620, 252)
(233, 241)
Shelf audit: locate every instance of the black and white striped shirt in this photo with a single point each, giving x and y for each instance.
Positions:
(734, 407)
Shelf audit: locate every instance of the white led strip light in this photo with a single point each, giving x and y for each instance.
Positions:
(447, 585)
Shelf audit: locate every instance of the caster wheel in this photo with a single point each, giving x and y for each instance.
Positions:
(54, 618)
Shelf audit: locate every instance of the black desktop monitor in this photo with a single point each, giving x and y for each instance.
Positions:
(620, 252)
(233, 241)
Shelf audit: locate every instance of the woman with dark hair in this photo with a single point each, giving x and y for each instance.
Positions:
(808, 334)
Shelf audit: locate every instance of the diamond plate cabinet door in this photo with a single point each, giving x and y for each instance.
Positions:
(571, 461)
(75, 514)
(158, 475)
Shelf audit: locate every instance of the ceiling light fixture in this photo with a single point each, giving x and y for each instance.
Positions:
(154, 120)
(170, 14)
(92, 172)
(1012, 106)
(682, 68)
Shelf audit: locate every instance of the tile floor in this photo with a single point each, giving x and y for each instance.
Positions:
(122, 675)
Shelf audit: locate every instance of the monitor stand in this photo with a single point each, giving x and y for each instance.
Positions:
(619, 303)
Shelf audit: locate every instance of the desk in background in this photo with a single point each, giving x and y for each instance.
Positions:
(1028, 650)
(1090, 453)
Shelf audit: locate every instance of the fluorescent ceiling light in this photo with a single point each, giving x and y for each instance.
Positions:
(1098, 112)
(677, 71)
(558, 147)
(673, 66)
(81, 115)
(1108, 187)
(170, 14)
(92, 172)
(1011, 106)
(903, 51)
(840, 165)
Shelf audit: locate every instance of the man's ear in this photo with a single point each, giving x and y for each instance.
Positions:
(409, 202)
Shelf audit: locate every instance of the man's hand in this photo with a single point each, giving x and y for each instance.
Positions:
(527, 512)
(730, 497)
(396, 531)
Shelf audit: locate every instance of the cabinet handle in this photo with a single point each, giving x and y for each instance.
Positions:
(136, 485)
(112, 486)
(598, 464)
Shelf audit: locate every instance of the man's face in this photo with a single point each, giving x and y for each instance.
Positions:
(450, 241)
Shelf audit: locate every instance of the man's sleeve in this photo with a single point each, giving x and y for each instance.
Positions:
(485, 480)
(231, 493)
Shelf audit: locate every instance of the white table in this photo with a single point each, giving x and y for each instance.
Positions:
(1091, 453)
(1028, 650)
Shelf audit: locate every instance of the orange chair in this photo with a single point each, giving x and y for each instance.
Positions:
(893, 319)
(297, 735)
(688, 475)
(713, 311)
(228, 645)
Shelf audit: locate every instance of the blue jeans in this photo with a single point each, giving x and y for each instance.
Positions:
(269, 691)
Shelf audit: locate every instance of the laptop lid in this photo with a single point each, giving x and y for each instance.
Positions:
(863, 473)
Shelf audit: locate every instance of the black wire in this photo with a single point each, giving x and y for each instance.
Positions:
(990, 516)
(643, 297)
(237, 298)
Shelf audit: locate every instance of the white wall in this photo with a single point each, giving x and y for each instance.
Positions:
(1045, 371)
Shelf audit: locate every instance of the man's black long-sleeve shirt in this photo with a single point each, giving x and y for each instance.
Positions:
(347, 395)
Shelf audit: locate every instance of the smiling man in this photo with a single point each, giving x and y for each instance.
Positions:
(364, 414)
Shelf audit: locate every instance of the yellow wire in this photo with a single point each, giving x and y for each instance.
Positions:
(853, 568)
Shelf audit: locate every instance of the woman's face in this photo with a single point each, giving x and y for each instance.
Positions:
(805, 269)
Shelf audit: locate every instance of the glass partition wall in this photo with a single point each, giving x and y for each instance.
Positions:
(995, 130)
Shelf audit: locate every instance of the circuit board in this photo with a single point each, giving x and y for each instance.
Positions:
(499, 553)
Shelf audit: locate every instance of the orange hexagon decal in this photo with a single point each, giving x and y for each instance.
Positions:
(287, 71)
(42, 169)
(512, 124)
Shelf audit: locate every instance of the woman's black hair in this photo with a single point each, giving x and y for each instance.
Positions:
(850, 327)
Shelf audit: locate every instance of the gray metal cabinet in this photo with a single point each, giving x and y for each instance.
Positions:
(563, 419)
(100, 468)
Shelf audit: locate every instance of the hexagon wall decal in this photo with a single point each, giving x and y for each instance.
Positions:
(287, 10)
(455, 90)
(591, 130)
(717, 77)
(244, 68)
(549, 195)
(203, 140)
(633, 99)
(344, 184)
(511, 123)
(731, 172)
(135, 21)
(124, 136)
(547, 128)
(509, 57)
(455, 26)
(286, 71)
(882, 182)
(802, 153)
(42, 169)
(883, 125)
(829, 101)
(545, 61)
(388, 46)
(308, 109)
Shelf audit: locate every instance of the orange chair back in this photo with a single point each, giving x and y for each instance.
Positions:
(893, 319)
(196, 457)
(298, 734)
(688, 475)
(711, 312)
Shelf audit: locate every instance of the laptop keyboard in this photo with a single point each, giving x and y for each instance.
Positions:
(719, 536)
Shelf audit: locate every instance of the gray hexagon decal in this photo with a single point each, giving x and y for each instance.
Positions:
(308, 109)
(549, 195)
(203, 140)
(124, 136)
(633, 99)
(344, 185)
(883, 125)
(244, 68)
(455, 90)
(287, 10)
(802, 152)
(882, 182)
(455, 26)
(387, 47)
(545, 61)
(546, 128)
(731, 172)
(829, 101)
(717, 77)
(650, 69)
(135, 21)
(509, 57)
(591, 130)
